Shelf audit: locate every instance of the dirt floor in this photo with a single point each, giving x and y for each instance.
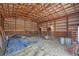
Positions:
(44, 48)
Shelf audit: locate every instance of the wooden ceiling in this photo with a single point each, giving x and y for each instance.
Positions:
(38, 12)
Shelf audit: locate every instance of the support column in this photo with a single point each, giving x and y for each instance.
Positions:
(54, 28)
(67, 26)
(2, 21)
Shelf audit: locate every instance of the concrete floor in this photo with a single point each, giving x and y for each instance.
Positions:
(44, 48)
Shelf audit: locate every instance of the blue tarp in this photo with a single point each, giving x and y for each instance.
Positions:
(16, 44)
(19, 36)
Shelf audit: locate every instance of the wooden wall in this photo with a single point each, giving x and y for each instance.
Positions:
(63, 27)
(19, 26)
(45, 26)
(72, 22)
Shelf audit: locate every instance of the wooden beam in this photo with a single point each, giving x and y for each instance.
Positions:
(62, 17)
(2, 21)
(24, 27)
(63, 9)
(74, 6)
(8, 10)
(50, 13)
(54, 28)
(67, 26)
(2, 18)
(16, 18)
(3, 11)
(34, 16)
(13, 11)
(42, 9)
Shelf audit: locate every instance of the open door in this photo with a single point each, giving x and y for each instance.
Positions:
(39, 31)
(49, 31)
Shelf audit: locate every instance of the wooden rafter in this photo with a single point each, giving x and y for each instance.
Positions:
(36, 12)
(64, 16)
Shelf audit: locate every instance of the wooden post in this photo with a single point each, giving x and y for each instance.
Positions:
(24, 26)
(67, 26)
(2, 21)
(54, 27)
(15, 24)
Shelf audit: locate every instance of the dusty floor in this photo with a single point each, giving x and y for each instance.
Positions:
(44, 48)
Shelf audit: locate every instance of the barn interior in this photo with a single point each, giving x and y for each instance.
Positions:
(39, 29)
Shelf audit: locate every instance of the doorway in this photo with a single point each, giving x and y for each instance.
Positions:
(49, 31)
(40, 31)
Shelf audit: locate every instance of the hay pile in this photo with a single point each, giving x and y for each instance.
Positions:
(43, 48)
